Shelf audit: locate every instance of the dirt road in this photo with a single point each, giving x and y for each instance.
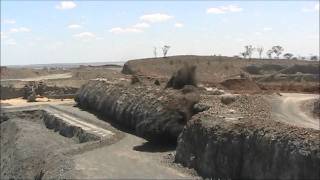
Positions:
(286, 109)
(51, 76)
(129, 158)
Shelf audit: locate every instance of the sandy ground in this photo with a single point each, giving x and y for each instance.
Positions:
(286, 109)
(23, 102)
(123, 160)
(46, 77)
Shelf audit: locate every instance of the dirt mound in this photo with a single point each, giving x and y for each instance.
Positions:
(306, 69)
(291, 87)
(240, 85)
(210, 69)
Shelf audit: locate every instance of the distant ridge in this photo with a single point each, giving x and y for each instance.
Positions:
(69, 65)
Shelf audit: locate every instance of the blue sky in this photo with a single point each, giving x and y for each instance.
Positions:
(34, 32)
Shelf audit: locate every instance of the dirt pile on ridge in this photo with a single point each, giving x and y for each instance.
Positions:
(241, 85)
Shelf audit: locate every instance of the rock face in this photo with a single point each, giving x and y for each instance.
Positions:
(10, 92)
(152, 113)
(221, 149)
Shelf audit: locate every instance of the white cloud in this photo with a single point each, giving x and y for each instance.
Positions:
(119, 30)
(141, 25)
(74, 26)
(10, 42)
(215, 11)
(240, 39)
(224, 9)
(3, 36)
(315, 8)
(20, 29)
(55, 45)
(178, 25)
(66, 5)
(258, 33)
(267, 29)
(157, 17)
(85, 35)
(8, 21)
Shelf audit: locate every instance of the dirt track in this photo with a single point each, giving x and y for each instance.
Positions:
(46, 77)
(286, 109)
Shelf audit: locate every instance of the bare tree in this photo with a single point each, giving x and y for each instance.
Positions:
(155, 51)
(260, 50)
(277, 50)
(243, 54)
(288, 55)
(165, 50)
(249, 50)
(269, 53)
(314, 58)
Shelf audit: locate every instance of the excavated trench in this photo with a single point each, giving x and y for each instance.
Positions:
(52, 122)
(35, 144)
(67, 130)
(216, 148)
(153, 114)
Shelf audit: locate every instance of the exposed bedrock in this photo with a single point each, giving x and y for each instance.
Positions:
(244, 150)
(10, 92)
(153, 113)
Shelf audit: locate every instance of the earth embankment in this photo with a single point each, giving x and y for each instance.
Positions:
(150, 111)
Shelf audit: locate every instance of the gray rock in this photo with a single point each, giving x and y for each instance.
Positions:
(228, 99)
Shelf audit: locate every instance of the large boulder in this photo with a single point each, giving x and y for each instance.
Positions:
(228, 98)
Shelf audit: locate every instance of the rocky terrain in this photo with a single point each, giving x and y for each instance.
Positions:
(226, 118)
(247, 143)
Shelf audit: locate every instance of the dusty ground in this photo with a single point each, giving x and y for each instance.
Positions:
(23, 102)
(287, 109)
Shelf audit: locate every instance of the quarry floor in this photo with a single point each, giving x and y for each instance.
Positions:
(129, 156)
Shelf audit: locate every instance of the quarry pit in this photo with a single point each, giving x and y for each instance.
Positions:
(130, 125)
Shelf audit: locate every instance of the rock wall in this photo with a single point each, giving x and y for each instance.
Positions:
(153, 113)
(10, 92)
(220, 149)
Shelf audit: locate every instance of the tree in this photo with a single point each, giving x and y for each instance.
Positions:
(260, 50)
(277, 50)
(243, 54)
(155, 51)
(248, 50)
(314, 58)
(269, 53)
(288, 55)
(165, 50)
